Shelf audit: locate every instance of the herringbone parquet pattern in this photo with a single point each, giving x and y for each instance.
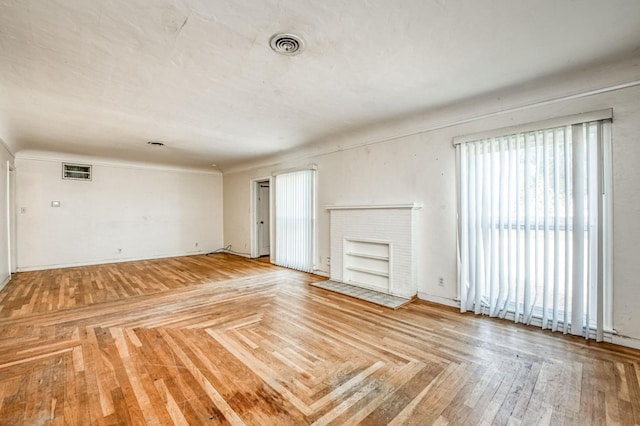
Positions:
(225, 340)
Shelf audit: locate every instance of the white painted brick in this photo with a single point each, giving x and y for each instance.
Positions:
(371, 223)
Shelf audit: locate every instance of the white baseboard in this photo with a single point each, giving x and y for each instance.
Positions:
(5, 281)
(245, 255)
(629, 342)
(438, 299)
(103, 261)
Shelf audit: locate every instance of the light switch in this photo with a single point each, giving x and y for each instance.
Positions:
(55, 204)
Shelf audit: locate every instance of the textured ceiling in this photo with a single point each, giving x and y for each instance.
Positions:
(103, 77)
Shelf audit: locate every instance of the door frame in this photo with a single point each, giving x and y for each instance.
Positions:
(255, 190)
(11, 205)
(8, 206)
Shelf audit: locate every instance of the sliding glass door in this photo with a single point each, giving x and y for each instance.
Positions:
(534, 226)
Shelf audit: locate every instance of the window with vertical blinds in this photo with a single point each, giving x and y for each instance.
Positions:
(534, 226)
(295, 219)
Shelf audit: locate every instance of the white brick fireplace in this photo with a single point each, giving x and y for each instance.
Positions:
(373, 246)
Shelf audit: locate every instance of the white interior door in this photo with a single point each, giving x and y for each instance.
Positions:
(262, 216)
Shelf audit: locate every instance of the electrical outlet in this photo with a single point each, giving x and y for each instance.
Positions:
(196, 244)
(441, 282)
(328, 261)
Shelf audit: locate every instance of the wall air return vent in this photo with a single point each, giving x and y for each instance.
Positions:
(76, 171)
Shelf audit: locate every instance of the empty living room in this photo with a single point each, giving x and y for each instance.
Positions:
(285, 212)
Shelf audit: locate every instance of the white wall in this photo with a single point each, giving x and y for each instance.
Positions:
(421, 168)
(144, 211)
(5, 264)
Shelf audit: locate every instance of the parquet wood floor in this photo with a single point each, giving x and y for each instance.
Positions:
(224, 340)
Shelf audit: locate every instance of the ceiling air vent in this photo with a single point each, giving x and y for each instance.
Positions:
(76, 171)
(287, 44)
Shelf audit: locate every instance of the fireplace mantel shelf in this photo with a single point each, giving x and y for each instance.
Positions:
(409, 206)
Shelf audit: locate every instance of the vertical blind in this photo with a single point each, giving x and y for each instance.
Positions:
(295, 219)
(534, 224)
